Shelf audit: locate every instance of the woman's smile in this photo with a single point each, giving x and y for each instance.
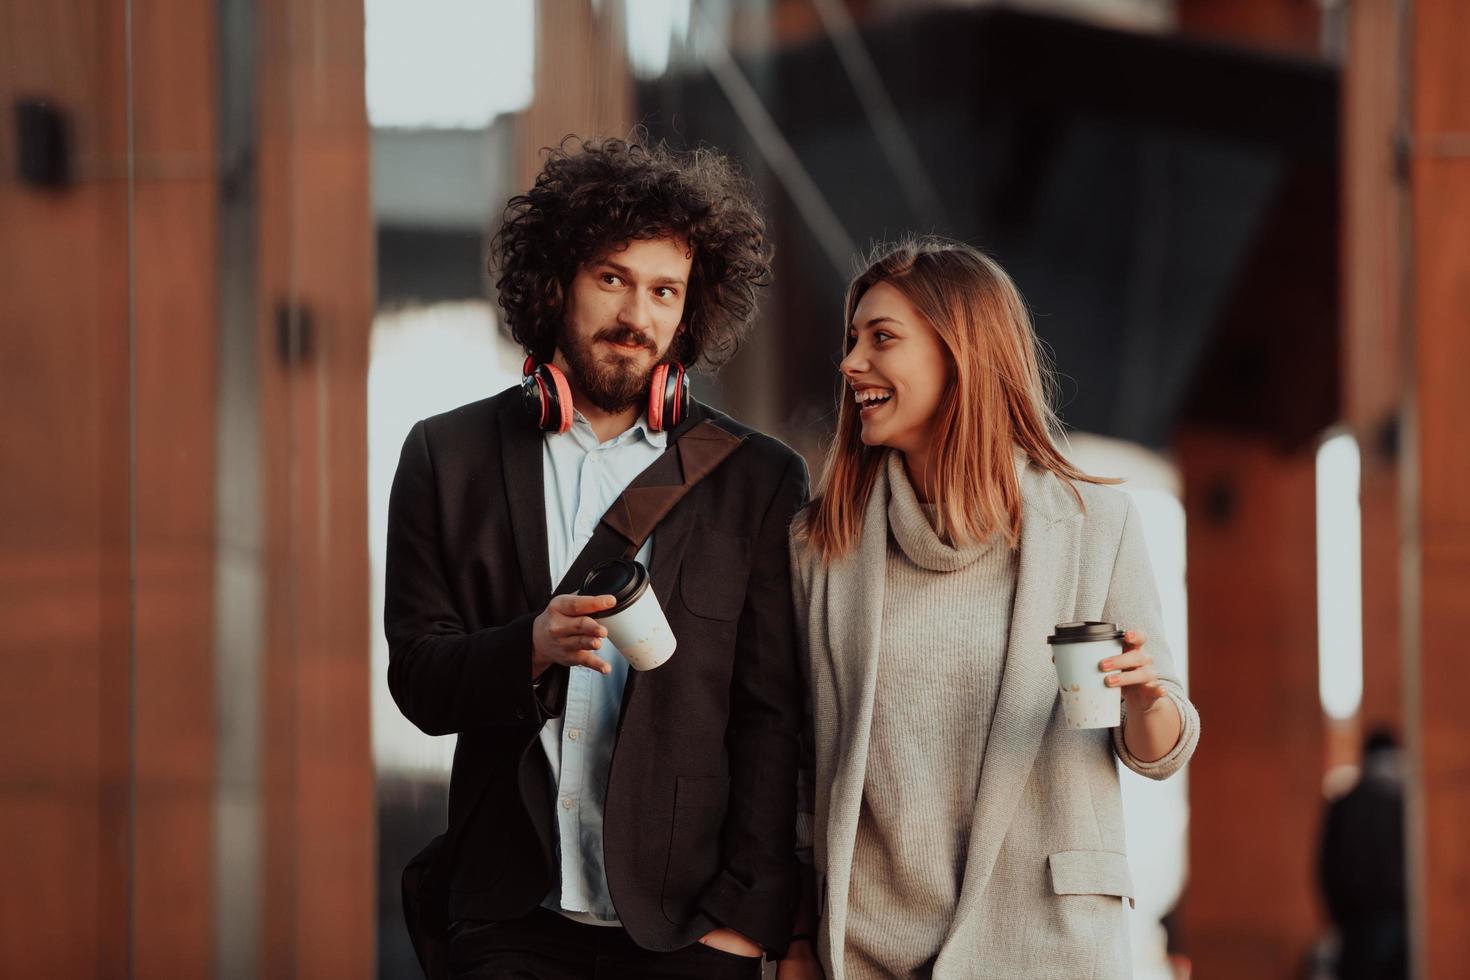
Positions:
(871, 400)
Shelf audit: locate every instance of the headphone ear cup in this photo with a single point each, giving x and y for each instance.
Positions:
(681, 396)
(559, 416)
(672, 392)
(656, 401)
(534, 399)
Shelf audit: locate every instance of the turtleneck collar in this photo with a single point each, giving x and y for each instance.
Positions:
(912, 525)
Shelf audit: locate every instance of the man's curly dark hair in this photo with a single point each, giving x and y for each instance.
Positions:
(596, 195)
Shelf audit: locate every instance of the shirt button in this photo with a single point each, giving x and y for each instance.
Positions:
(573, 734)
(566, 803)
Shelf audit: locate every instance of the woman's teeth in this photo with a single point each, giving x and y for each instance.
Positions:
(871, 398)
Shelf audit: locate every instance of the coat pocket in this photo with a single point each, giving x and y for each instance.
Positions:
(1091, 873)
(713, 578)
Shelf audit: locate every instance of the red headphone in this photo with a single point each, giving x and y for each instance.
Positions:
(548, 398)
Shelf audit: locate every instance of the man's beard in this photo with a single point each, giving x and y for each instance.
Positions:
(613, 384)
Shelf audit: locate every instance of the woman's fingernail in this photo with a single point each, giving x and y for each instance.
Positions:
(1106, 665)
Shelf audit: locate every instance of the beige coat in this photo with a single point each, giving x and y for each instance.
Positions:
(1046, 874)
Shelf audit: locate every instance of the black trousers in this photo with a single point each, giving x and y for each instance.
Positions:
(547, 946)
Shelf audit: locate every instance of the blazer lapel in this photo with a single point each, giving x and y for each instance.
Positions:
(1046, 586)
(853, 600)
(521, 469)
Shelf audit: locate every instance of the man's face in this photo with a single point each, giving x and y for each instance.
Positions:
(623, 312)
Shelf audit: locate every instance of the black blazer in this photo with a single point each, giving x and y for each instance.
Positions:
(701, 800)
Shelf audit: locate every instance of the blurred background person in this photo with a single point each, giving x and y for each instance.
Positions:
(1361, 867)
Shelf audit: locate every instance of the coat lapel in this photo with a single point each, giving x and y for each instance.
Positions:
(521, 469)
(853, 597)
(1046, 585)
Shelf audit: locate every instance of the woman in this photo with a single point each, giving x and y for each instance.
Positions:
(957, 827)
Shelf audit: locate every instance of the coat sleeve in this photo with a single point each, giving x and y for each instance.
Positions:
(806, 773)
(755, 892)
(1133, 603)
(444, 678)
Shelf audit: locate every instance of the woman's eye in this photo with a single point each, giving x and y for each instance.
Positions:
(881, 337)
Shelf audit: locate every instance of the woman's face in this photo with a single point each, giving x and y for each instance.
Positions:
(896, 370)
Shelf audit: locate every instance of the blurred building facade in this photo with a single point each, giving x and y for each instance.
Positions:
(243, 248)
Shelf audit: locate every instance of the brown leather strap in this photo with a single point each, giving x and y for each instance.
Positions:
(650, 497)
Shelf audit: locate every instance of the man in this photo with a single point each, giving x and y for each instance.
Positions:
(605, 822)
(1360, 867)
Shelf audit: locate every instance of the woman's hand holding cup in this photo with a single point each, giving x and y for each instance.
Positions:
(1154, 724)
(1136, 676)
(566, 634)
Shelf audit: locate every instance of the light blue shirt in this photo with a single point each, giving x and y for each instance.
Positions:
(583, 478)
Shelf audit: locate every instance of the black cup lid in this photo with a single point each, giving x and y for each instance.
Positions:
(621, 578)
(1087, 632)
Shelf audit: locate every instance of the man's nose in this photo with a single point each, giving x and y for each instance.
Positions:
(637, 311)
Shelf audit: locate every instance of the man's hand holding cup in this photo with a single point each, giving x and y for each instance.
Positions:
(565, 633)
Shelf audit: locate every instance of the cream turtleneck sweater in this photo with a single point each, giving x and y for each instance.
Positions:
(946, 620)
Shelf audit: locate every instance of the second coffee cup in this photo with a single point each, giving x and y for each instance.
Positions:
(636, 625)
(1077, 649)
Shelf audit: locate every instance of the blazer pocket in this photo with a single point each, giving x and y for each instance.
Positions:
(712, 579)
(1091, 873)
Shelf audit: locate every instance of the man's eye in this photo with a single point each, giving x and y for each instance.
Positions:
(666, 292)
(610, 279)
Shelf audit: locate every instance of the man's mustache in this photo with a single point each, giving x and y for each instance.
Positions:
(627, 335)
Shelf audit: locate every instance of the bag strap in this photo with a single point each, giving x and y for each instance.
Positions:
(696, 451)
(693, 455)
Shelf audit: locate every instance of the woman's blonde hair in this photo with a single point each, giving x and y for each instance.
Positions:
(998, 396)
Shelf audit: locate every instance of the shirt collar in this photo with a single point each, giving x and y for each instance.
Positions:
(659, 440)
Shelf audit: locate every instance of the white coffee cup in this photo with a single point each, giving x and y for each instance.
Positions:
(1077, 649)
(636, 625)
